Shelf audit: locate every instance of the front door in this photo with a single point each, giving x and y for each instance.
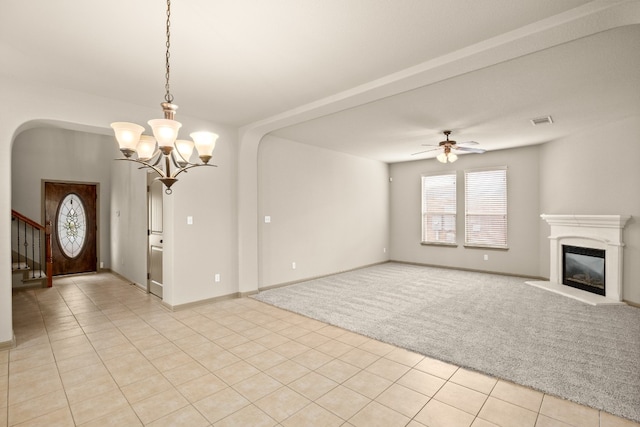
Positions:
(155, 235)
(71, 208)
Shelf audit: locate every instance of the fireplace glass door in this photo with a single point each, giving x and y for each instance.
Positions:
(584, 268)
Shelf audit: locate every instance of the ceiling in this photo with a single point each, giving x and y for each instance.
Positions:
(374, 78)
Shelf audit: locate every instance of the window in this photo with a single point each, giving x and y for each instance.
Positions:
(486, 207)
(71, 225)
(439, 208)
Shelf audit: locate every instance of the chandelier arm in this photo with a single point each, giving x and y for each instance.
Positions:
(185, 161)
(191, 165)
(158, 158)
(155, 156)
(175, 162)
(159, 171)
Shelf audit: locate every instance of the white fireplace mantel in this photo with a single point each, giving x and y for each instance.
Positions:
(590, 231)
(594, 221)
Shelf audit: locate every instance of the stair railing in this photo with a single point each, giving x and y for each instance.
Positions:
(28, 240)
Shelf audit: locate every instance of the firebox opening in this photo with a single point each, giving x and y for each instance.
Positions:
(583, 268)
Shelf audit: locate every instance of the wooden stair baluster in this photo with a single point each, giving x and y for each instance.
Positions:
(48, 253)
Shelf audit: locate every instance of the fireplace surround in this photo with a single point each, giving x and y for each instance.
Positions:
(596, 232)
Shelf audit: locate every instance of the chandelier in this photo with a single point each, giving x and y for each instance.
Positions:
(162, 150)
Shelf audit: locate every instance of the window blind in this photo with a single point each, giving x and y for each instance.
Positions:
(439, 208)
(486, 208)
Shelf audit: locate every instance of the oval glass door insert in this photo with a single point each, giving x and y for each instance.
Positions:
(72, 225)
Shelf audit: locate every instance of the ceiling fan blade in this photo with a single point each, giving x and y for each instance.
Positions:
(431, 149)
(471, 150)
(468, 143)
(425, 151)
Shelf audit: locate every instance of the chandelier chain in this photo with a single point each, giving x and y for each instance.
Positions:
(168, 96)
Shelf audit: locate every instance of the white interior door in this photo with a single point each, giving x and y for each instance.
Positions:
(154, 274)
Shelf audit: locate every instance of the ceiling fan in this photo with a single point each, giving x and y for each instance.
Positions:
(447, 155)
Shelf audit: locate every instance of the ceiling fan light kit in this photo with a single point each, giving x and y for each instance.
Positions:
(447, 156)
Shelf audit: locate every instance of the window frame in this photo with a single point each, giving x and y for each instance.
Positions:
(493, 203)
(425, 213)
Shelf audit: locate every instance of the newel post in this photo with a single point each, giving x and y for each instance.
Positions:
(48, 253)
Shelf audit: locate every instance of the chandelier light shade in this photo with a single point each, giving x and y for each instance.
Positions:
(128, 136)
(185, 150)
(146, 147)
(205, 143)
(162, 150)
(165, 131)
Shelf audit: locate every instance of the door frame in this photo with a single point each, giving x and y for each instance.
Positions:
(151, 179)
(66, 181)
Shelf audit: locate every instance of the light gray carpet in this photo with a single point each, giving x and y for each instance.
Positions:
(490, 323)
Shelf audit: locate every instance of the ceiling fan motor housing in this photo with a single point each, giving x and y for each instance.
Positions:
(447, 143)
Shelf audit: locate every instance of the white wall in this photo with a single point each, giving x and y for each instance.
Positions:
(128, 218)
(26, 106)
(596, 172)
(329, 211)
(62, 155)
(523, 214)
(209, 246)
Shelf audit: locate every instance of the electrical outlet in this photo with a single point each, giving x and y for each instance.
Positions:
(384, 250)
(101, 264)
(293, 265)
(189, 220)
(486, 257)
(217, 278)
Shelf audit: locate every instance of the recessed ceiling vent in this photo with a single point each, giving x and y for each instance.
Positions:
(542, 121)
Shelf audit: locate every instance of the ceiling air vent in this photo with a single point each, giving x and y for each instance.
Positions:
(542, 121)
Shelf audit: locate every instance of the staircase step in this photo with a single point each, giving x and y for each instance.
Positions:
(26, 281)
(20, 266)
(37, 277)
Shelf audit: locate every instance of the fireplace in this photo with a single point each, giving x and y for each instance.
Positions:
(590, 247)
(584, 268)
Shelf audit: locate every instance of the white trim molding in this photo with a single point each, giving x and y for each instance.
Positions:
(595, 221)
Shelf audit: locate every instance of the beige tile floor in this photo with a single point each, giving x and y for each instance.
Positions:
(96, 351)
